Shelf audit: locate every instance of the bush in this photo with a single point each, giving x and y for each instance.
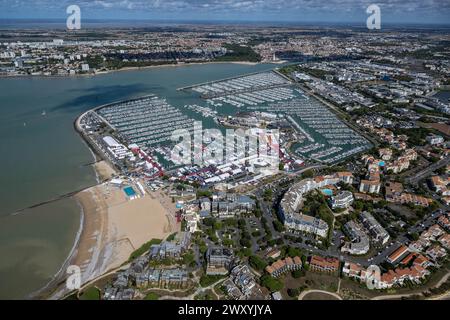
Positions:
(293, 293)
(271, 283)
(278, 226)
(257, 263)
(151, 296)
(91, 293)
(143, 249)
(206, 280)
(298, 273)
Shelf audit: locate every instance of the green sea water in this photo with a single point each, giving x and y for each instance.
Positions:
(42, 157)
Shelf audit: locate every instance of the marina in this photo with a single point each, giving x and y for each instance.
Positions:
(321, 135)
(242, 84)
(148, 121)
(326, 138)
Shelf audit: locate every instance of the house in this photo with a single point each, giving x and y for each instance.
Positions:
(230, 205)
(345, 176)
(284, 265)
(354, 271)
(393, 190)
(170, 278)
(420, 245)
(171, 249)
(328, 264)
(385, 153)
(440, 185)
(398, 276)
(433, 232)
(273, 253)
(444, 222)
(308, 224)
(436, 252)
(412, 198)
(370, 186)
(399, 165)
(416, 259)
(397, 254)
(444, 240)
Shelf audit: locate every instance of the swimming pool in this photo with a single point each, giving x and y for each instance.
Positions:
(327, 192)
(129, 191)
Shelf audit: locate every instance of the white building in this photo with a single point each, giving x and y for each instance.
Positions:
(435, 139)
(342, 200)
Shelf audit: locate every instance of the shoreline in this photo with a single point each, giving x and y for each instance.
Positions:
(53, 288)
(59, 276)
(18, 76)
(112, 228)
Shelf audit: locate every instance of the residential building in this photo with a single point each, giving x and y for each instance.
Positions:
(397, 254)
(284, 265)
(376, 231)
(393, 190)
(360, 243)
(435, 139)
(444, 240)
(432, 233)
(436, 252)
(241, 284)
(354, 271)
(219, 261)
(345, 176)
(292, 201)
(328, 264)
(342, 200)
(440, 185)
(370, 186)
(385, 153)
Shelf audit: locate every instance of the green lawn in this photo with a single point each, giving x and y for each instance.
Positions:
(151, 296)
(92, 293)
(144, 248)
(206, 280)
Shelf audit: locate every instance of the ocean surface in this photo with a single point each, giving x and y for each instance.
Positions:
(42, 158)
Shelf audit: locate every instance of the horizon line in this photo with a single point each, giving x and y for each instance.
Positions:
(229, 21)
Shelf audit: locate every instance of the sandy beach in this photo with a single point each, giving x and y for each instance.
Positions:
(113, 227)
(104, 171)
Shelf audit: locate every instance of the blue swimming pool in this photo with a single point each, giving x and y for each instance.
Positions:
(327, 192)
(129, 191)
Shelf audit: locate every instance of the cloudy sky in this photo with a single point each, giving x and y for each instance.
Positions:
(402, 11)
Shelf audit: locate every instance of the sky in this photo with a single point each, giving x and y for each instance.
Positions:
(301, 11)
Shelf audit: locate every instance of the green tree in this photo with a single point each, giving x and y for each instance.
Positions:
(271, 283)
(257, 263)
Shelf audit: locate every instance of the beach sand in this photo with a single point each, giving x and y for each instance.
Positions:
(113, 227)
(104, 170)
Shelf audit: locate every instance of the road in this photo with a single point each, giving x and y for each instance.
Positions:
(428, 171)
(304, 293)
